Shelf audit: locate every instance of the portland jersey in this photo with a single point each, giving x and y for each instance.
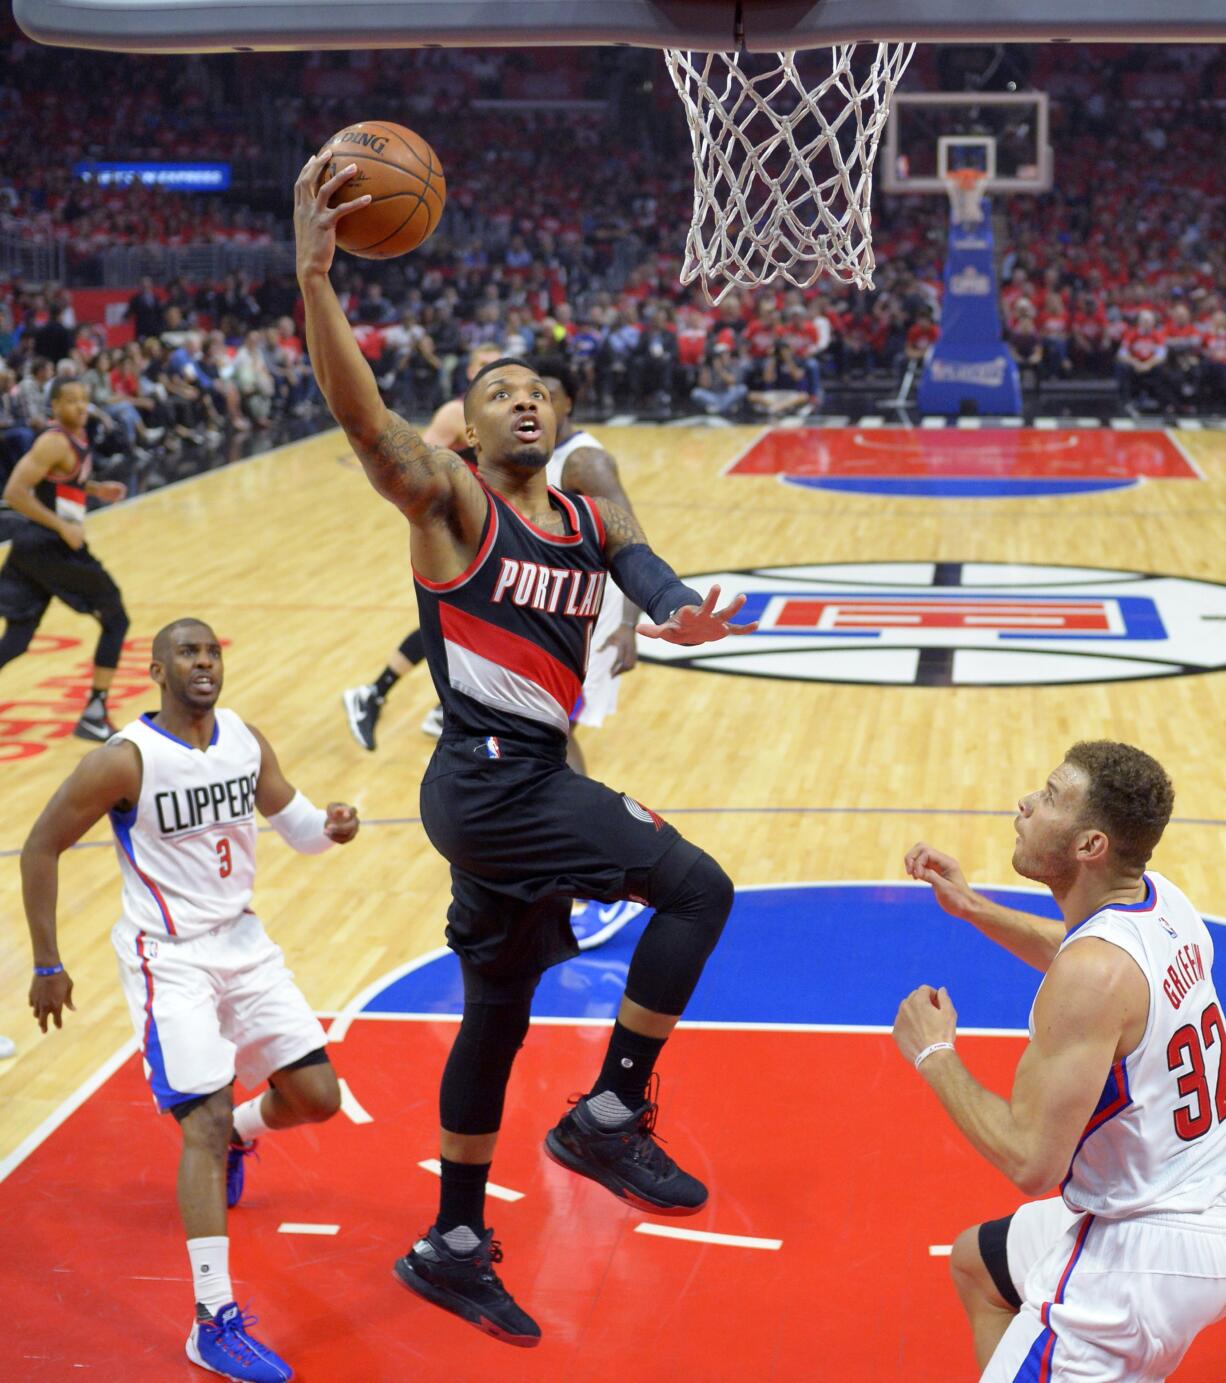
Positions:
(507, 640)
(64, 495)
(1157, 1138)
(613, 607)
(187, 849)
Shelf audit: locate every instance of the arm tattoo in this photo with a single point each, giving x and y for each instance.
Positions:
(402, 467)
(592, 471)
(621, 529)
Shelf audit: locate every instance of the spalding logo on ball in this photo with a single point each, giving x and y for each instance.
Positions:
(404, 179)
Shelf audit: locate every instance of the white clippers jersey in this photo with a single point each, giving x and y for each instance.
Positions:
(187, 850)
(1157, 1138)
(613, 606)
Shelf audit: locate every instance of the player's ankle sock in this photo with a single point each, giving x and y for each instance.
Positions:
(461, 1209)
(628, 1064)
(95, 707)
(385, 681)
(210, 1259)
(249, 1120)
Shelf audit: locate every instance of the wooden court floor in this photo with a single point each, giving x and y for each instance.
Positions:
(297, 564)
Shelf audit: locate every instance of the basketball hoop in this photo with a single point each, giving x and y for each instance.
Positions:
(965, 188)
(783, 169)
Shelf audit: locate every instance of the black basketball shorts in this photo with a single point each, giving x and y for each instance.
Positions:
(524, 835)
(40, 566)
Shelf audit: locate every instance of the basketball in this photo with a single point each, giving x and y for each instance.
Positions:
(404, 179)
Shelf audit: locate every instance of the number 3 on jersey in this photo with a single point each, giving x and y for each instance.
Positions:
(227, 864)
(1188, 1047)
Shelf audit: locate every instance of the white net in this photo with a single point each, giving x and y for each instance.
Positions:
(783, 164)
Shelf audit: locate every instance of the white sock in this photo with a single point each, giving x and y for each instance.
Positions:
(608, 1109)
(211, 1271)
(249, 1120)
(461, 1239)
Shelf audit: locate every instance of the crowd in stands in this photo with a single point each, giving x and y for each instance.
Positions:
(563, 231)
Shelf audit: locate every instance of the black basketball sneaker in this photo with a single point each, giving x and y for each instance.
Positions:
(362, 707)
(467, 1286)
(625, 1159)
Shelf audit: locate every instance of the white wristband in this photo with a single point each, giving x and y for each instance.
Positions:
(301, 825)
(928, 1051)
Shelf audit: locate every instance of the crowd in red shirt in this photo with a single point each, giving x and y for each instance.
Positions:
(564, 227)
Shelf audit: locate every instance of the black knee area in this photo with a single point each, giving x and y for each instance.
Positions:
(692, 897)
(114, 630)
(414, 647)
(316, 1058)
(993, 1239)
(16, 638)
(492, 1030)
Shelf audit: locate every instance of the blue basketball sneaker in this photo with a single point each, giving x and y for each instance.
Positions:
(236, 1156)
(221, 1344)
(594, 923)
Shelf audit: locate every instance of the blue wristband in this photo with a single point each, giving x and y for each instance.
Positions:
(48, 969)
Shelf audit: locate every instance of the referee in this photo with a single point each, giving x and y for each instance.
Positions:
(48, 556)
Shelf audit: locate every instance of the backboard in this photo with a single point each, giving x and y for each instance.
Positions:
(1005, 135)
(182, 26)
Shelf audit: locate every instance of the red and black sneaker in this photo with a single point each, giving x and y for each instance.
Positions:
(625, 1159)
(467, 1286)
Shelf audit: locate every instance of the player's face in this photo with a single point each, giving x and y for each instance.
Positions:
(192, 675)
(1048, 825)
(71, 407)
(512, 418)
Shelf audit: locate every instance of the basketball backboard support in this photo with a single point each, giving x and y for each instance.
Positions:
(931, 134)
(183, 26)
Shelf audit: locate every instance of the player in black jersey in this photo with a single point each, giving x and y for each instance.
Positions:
(509, 575)
(48, 556)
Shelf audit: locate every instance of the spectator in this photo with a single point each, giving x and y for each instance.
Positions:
(1138, 364)
(145, 310)
(721, 387)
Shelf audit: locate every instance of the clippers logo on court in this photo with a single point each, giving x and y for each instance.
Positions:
(965, 463)
(930, 624)
(641, 813)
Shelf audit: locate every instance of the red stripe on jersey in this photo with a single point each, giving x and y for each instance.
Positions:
(491, 532)
(565, 540)
(596, 519)
(511, 651)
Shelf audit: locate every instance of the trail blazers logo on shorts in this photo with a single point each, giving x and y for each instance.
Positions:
(983, 624)
(642, 813)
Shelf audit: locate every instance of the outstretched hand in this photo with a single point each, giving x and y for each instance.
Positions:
(314, 220)
(694, 624)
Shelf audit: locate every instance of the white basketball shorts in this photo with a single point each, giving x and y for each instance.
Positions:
(1108, 1301)
(600, 686)
(211, 1007)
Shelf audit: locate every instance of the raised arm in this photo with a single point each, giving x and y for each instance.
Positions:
(1028, 936)
(107, 779)
(420, 480)
(681, 615)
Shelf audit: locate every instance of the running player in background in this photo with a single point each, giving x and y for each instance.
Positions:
(364, 704)
(1113, 1099)
(208, 992)
(509, 577)
(48, 556)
